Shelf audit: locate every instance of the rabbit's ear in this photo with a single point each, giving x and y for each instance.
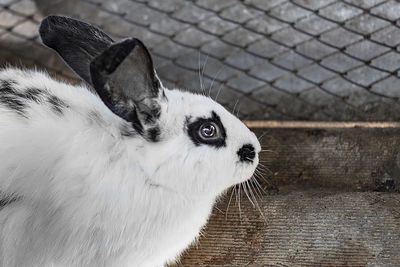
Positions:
(77, 42)
(124, 77)
(122, 73)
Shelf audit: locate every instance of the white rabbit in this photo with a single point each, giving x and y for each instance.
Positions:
(127, 177)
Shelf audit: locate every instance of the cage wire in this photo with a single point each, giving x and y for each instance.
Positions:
(276, 59)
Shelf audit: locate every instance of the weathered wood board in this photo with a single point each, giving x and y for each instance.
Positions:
(339, 156)
(335, 202)
(304, 229)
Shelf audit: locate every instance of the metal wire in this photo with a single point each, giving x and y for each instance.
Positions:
(276, 59)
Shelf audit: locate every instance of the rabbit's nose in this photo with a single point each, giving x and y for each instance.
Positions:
(246, 153)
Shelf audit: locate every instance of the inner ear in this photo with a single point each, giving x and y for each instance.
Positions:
(124, 77)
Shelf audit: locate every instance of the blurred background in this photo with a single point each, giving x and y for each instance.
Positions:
(315, 60)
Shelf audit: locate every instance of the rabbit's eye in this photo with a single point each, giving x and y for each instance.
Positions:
(208, 130)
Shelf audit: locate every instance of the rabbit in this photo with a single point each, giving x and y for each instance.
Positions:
(117, 171)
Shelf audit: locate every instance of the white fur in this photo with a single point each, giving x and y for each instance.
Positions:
(90, 196)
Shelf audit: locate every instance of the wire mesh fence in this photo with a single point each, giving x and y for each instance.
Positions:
(275, 59)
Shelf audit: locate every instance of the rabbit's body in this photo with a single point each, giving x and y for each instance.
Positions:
(103, 211)
(124, 177)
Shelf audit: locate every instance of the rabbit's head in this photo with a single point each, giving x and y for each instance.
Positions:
(183, 142)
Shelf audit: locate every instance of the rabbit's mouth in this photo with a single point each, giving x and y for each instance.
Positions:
(245, 170)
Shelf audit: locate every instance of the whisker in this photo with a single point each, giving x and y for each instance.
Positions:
(257, 175)
(255, 189)
(260, 170)
(245, 191)
(261, 213)
(219, 90)
(258, 186)
(212, 83)
(240, 209)
(257, 205)
(218, 209)
(200, 78)
(234, 107)
(251, 194)
(202, 72)
(263, 172)
(204, 65)
(229, 202)
(263, 167)
(268, 150)
(237, 113)
(261, 136)
(250, 189)
(261, 191)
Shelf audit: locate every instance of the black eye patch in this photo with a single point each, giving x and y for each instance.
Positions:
(196, 127)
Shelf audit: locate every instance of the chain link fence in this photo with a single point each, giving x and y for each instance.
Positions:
(276, 59)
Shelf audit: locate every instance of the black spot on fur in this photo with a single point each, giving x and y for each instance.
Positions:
(13, 104)
(193, 130)
(8, 83)
(153, 134)
(6, 87)
(6, 199)
(19, 100)
(16, 100)
(10, 98)
(34, 94)
(96, 118)
(56, 104)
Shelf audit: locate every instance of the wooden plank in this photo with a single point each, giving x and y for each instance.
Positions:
(303, 229)
(319, 124)
(325, 209)
(345, 159)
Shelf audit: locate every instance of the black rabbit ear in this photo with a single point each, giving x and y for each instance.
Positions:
(122, 73)
(77, 42)
(124, 77)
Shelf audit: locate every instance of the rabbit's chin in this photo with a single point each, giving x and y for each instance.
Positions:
(246, 171)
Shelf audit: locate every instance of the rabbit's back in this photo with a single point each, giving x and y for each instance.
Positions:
(46, 125)
(25, 93)
(33, 100)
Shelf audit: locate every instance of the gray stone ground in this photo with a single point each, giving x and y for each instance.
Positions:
(275, 59)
